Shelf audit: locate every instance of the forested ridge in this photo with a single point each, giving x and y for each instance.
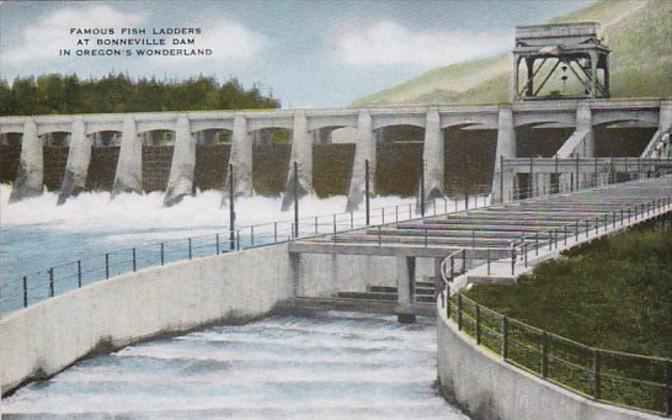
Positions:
(68, 94)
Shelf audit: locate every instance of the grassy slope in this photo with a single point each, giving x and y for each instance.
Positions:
(640, 37)
(614, 294)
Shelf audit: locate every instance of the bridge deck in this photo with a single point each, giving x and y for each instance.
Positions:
(490, 232)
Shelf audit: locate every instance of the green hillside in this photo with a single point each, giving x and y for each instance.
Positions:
(639, 34)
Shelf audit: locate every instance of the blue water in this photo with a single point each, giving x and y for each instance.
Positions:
(329, 365)
(36, 235)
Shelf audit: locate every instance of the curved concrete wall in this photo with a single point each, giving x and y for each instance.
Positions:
(45, 338)
(487, 388)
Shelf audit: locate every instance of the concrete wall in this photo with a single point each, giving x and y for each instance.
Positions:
(487, 388)
(322, 275)
(326, 275)
(50, 336)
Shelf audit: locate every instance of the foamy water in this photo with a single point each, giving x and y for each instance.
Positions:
(96, 211)
(329, 365)
(35, 234)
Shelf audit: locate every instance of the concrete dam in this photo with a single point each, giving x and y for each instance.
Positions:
(533, 147)
(300, 321)
(458, 145)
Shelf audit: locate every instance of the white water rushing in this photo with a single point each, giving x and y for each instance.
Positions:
(329, 365)
(35, 234)
(96, 211)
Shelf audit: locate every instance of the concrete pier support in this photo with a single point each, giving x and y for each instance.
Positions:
(665, 118)
(128, 177)
(660, 144)
(30, 174)
(581, 143)
(438, 279)
(181, 179)
(365, 150)
(584, 124)
(665, 128)
(433, 155)
(504, 181)
(405, 281)
(77, 167)
(541, 184)
(302, 154)
(241, 160)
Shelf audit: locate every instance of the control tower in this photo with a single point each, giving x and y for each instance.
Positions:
(565, 51)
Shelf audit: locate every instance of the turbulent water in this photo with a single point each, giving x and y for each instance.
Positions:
(35, 234)
(329, 365)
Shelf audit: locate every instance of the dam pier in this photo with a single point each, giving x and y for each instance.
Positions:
(556, 171)
(584, 117)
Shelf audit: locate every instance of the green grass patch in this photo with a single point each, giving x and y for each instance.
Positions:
(614, 294)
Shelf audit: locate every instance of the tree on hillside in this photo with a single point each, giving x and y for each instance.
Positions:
(58, 94)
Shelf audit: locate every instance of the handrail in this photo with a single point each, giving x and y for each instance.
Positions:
(38, 285)
(629, 384)
(552, 237)
(520, 249)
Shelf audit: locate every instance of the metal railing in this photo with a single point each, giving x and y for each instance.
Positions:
(409, 212)
(530, 245)
(588, 173)
(43, 284)
(629, 380)
(523, 246)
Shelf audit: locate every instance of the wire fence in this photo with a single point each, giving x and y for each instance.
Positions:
(623, 379)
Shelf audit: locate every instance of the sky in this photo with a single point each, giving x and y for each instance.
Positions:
(310, 53)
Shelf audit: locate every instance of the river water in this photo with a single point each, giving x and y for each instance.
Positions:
(327, 365)
(35, 234)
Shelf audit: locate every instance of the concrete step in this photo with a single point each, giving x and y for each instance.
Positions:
(368, 296)
(361, 305)
(478, 228)
(425, 298)
(424, 284)
(381, 289)
(420, 239)
(437, 231)
(424, 291)
(546, 213)
(488, 223)
(570, 205)
(526, 219)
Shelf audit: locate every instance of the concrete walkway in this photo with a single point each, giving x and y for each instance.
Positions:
(505, 241)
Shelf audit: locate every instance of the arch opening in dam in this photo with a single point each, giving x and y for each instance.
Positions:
(55, 149)
(157, 153)
(469, 159)
(182, 153)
